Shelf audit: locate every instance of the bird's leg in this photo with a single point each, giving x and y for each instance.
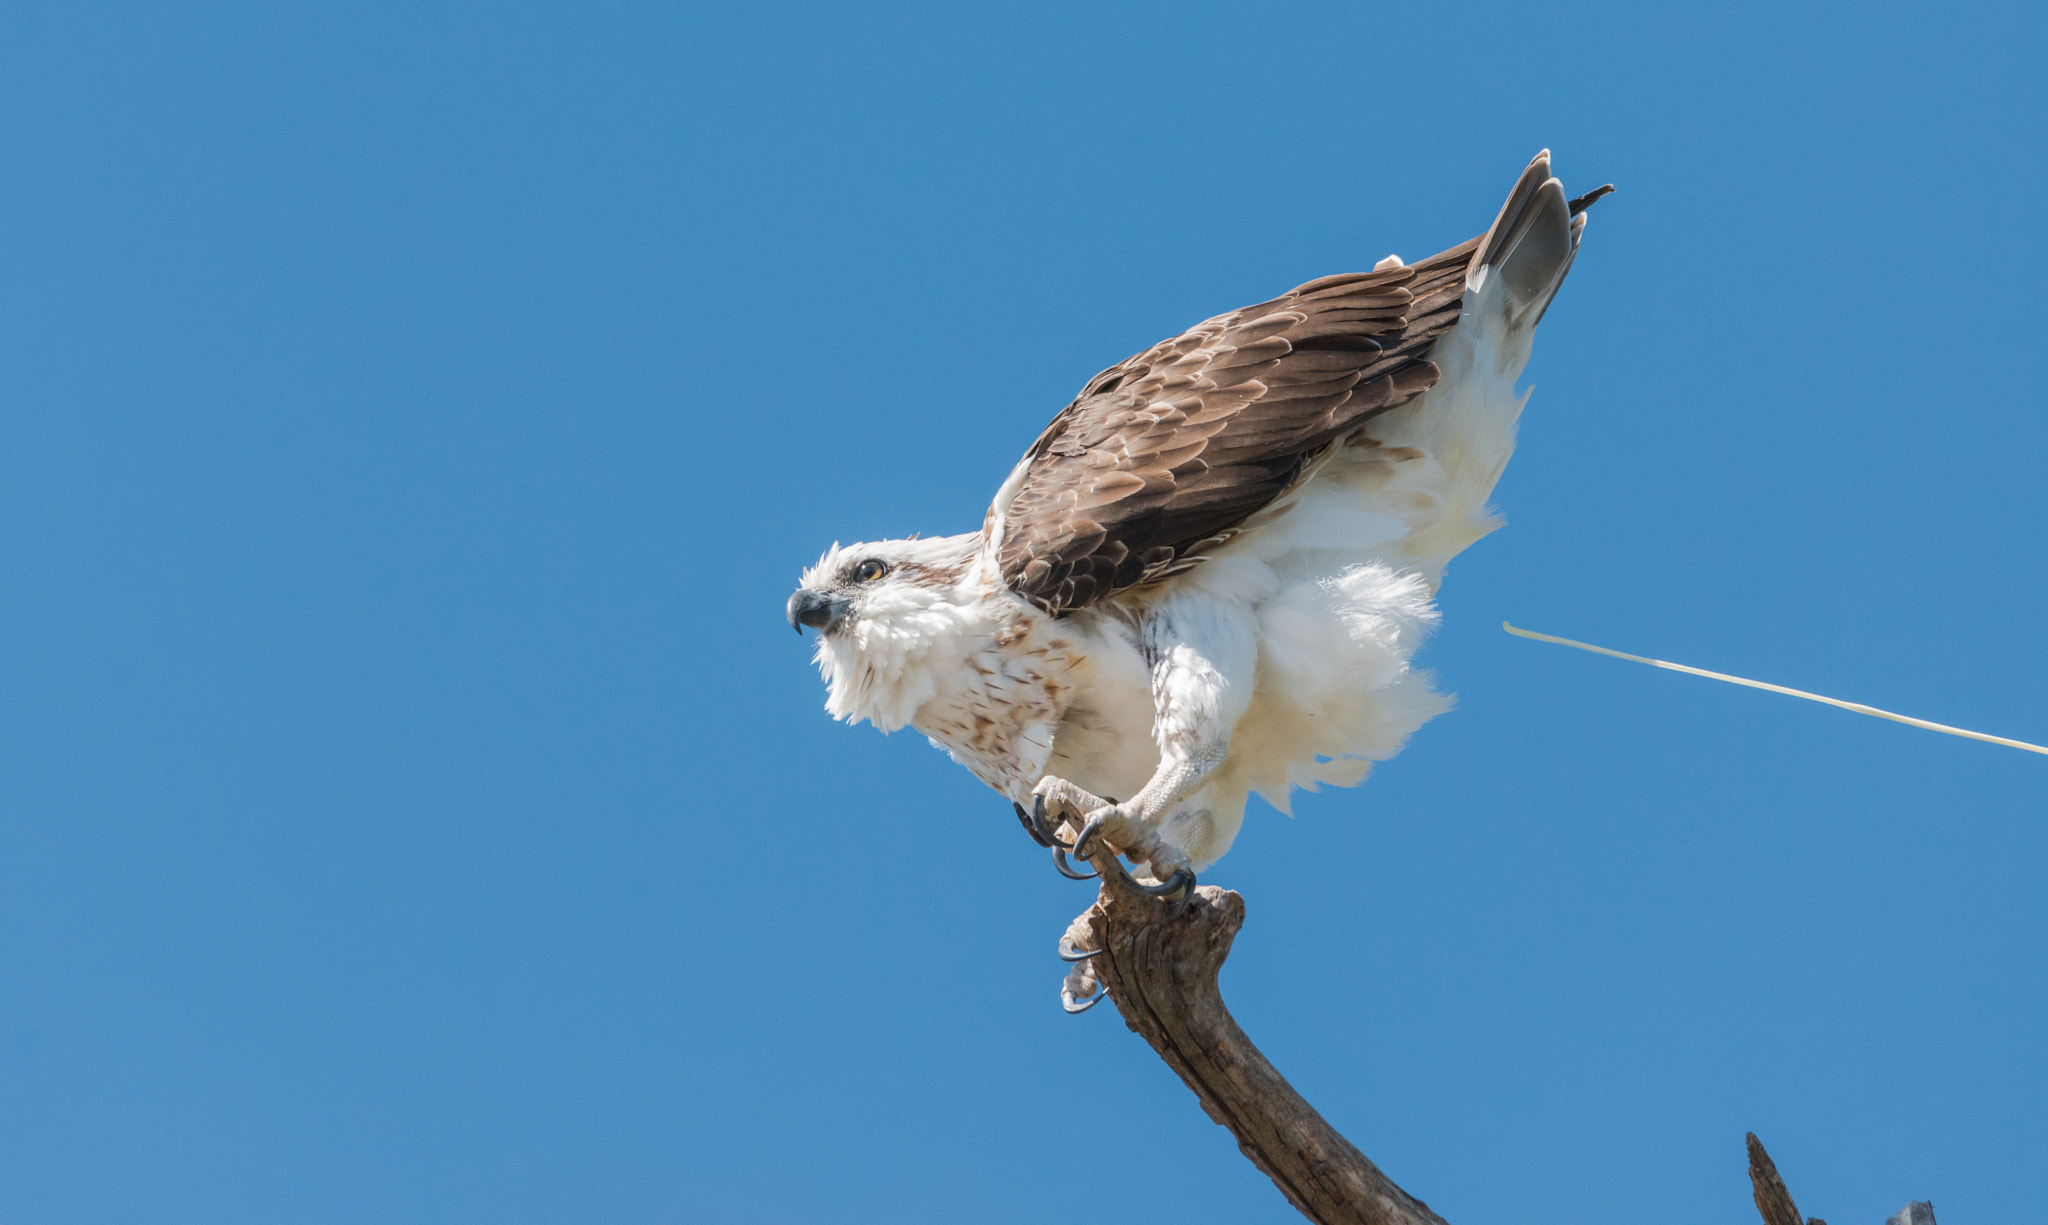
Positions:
(1203, 654)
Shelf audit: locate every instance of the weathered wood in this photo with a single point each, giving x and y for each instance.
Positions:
(1159, 961)
(1773, 1200)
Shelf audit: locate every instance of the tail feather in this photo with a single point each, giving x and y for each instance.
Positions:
(1531, 244)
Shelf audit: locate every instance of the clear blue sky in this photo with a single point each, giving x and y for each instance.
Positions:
(413, 807)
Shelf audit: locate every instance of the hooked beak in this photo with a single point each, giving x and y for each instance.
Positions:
(816, 609)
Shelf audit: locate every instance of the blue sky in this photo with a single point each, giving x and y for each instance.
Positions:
(413, 806)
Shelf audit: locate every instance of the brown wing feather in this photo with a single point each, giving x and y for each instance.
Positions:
(1165, 454)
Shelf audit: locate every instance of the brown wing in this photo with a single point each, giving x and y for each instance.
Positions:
(1166, 453)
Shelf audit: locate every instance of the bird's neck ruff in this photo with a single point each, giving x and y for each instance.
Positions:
(910, 635)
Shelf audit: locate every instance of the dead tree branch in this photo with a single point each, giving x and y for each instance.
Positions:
(1159, 961)
(1774, 1201)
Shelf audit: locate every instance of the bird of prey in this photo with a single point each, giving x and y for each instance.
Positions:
(1207, 577)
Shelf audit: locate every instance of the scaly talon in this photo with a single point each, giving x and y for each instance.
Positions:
(1029, 827)
(1068, 952)
(1059, 860)
(1047, 834)
(1068, 1002)
(1181, 879)
(1090, 830)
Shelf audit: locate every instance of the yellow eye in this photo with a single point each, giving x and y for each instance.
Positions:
(869, 570)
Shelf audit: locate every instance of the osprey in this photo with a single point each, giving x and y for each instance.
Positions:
(1207, 577)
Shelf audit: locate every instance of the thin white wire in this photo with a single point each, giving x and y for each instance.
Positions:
(1858, 707)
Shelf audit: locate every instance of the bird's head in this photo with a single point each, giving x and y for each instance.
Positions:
(881, 610)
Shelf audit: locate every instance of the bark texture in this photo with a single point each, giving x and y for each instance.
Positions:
(1159, 961)
(1773, 1200)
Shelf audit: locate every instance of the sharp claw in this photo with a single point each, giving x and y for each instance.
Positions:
(1029, 828)
(1041, 828)
(1068, 953)
(1087, 835)
(1059, 860)
(1181, 878)
(1067, 1000)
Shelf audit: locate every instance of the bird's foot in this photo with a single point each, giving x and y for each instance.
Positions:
(1081, 990)
(1057, 805)
(1033, 821)
(1040, 828)
(1083, 987)
(1096, 822)
(1172, 873)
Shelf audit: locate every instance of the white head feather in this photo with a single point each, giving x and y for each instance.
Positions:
(902, 632)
